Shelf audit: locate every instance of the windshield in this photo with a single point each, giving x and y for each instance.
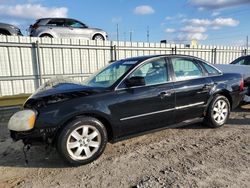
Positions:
(107, 76)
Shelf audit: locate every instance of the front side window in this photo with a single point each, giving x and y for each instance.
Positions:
(185, 69)
(153, 72)
(74, 23)
(107, 76)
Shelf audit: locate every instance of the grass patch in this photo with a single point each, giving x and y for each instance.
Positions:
(14, 100)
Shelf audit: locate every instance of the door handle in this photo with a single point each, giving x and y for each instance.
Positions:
(164, 94)
(207, 86)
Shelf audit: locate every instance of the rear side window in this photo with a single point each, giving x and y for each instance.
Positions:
(210, 70)
(185, 69)
(56, 22)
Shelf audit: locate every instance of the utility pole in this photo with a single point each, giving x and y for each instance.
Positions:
(247, 43)
(124, 33)
(147, 33)
(117, 32)
(130, 35)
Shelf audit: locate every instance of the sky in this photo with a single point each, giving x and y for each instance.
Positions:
(210, 22)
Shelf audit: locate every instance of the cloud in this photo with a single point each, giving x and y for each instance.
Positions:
(192, 36)
(190, 32)
(216, 23)
(144, 9)
(168, 18)
(215, 13)
(176, 17)
(32, 11)
(193, 29)
(170, 30)
(217, 4)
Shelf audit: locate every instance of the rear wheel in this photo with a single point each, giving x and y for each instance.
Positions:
(2, 33)
(82, 141)
(218, 112)
(46, 36)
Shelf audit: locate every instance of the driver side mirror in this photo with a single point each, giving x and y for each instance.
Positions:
(135, 81)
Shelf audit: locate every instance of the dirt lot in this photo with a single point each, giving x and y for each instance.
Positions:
(193, 156)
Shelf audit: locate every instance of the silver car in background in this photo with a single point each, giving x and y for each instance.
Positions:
(65, 27)
(8, 29)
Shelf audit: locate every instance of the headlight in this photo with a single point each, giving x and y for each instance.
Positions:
(22, 121)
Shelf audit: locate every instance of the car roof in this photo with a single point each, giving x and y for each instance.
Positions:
(8, 25)
(56, 18)
(143, 58)
(245, 56)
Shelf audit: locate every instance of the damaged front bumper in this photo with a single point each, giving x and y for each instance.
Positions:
(22, 127)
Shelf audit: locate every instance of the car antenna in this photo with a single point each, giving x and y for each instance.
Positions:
(26, 148)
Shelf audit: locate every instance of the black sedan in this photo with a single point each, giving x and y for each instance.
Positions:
(126, 98)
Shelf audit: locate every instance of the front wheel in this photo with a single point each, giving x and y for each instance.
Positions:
(218, 112)
(82, 140)
(98, 37)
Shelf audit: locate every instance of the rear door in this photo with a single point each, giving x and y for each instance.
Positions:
(191, 87)
(57, 26)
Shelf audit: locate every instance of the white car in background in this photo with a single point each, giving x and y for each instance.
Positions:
(65, 27)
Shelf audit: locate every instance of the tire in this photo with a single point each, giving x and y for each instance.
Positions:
(218, 112)
(46, 36)
(79, 148)
(98, 37)
(4, 33)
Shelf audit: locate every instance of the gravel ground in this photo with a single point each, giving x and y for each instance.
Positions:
(192, 156)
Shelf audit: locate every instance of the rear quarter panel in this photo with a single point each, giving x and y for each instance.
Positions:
(228, 83)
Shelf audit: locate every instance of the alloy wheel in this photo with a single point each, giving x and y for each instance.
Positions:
(98, 37)
(220, 111)
(83, 142)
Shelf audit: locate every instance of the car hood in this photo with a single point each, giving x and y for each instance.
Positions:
(57, 86)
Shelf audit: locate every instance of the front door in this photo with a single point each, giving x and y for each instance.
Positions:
(146, 107)
(77, 29)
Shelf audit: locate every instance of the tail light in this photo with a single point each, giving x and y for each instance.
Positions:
(242, 84)
(35, 26)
